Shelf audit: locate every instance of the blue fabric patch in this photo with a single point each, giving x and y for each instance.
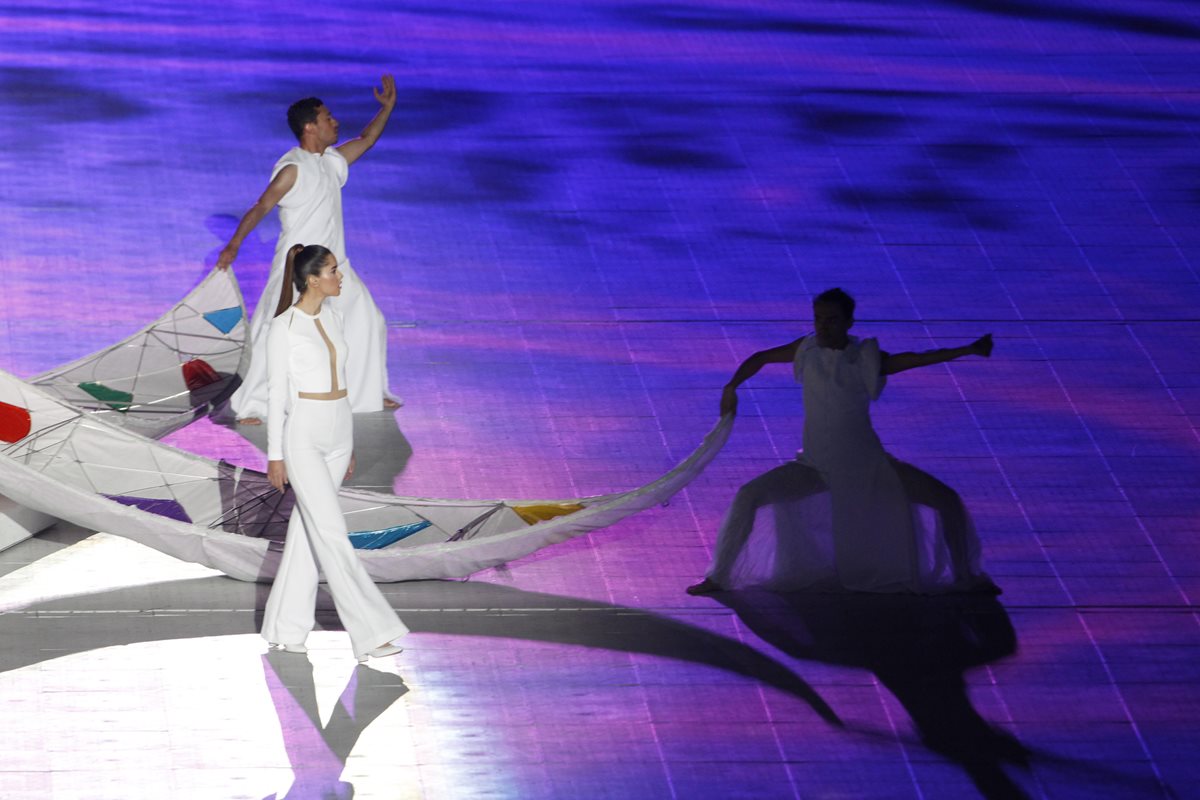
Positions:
(224, 319)
(377, 540)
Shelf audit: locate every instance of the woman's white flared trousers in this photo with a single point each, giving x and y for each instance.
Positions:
(318, 440)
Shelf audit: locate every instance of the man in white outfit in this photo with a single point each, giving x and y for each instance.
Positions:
(306, 184)
(872, 541)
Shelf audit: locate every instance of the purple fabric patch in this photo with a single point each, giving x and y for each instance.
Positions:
(164, 508)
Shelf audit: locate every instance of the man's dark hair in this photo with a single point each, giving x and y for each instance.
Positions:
(302, 112)
(839, 298)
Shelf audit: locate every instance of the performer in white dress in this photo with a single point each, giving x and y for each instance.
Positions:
(310, 442)
(306, 184)
(846, 515)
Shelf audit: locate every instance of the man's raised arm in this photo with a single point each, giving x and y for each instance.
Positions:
(353, 149)
(280, 185)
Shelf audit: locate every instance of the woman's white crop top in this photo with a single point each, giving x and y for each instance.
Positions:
(306, 359)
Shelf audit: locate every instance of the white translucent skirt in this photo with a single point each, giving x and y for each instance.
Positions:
(889, 527)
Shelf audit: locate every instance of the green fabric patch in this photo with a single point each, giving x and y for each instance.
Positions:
(113, 398)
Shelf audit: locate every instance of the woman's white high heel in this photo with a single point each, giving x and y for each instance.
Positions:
(388, 649)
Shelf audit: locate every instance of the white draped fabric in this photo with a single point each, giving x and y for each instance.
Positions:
(62, 461)
(311, 213)
(170, 372)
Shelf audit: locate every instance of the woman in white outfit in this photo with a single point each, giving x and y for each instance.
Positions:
(310, 445)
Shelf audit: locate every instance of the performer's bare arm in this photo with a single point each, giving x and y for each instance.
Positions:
(898, 362)
(784, 354)
(280, 185)
(353, 149)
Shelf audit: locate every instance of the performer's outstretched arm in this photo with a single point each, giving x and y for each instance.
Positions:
(898, 362)
(784, 354)
(353, 149)
(280, 185)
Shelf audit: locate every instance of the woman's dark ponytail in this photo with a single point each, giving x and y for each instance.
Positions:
(303, 261)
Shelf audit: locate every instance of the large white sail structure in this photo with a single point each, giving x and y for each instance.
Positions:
(154, 381)
(78, 444)
(75, 465)
(170, 372)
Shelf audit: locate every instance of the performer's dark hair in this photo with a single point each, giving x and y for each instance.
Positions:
(839, 298)
(303, 262)
(302, 112)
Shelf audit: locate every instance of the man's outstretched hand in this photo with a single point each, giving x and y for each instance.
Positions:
(387, 95)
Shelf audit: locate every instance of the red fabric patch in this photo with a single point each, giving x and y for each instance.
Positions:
(15, 423)
(197, 374)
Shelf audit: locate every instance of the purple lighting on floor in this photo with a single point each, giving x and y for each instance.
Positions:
(581, 218)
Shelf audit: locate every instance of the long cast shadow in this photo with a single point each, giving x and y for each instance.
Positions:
(919, 647)
(478, 609)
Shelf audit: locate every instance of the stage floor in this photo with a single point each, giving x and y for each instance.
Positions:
(581, 217)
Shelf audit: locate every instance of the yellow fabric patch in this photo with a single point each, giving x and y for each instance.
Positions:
(539, 513)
